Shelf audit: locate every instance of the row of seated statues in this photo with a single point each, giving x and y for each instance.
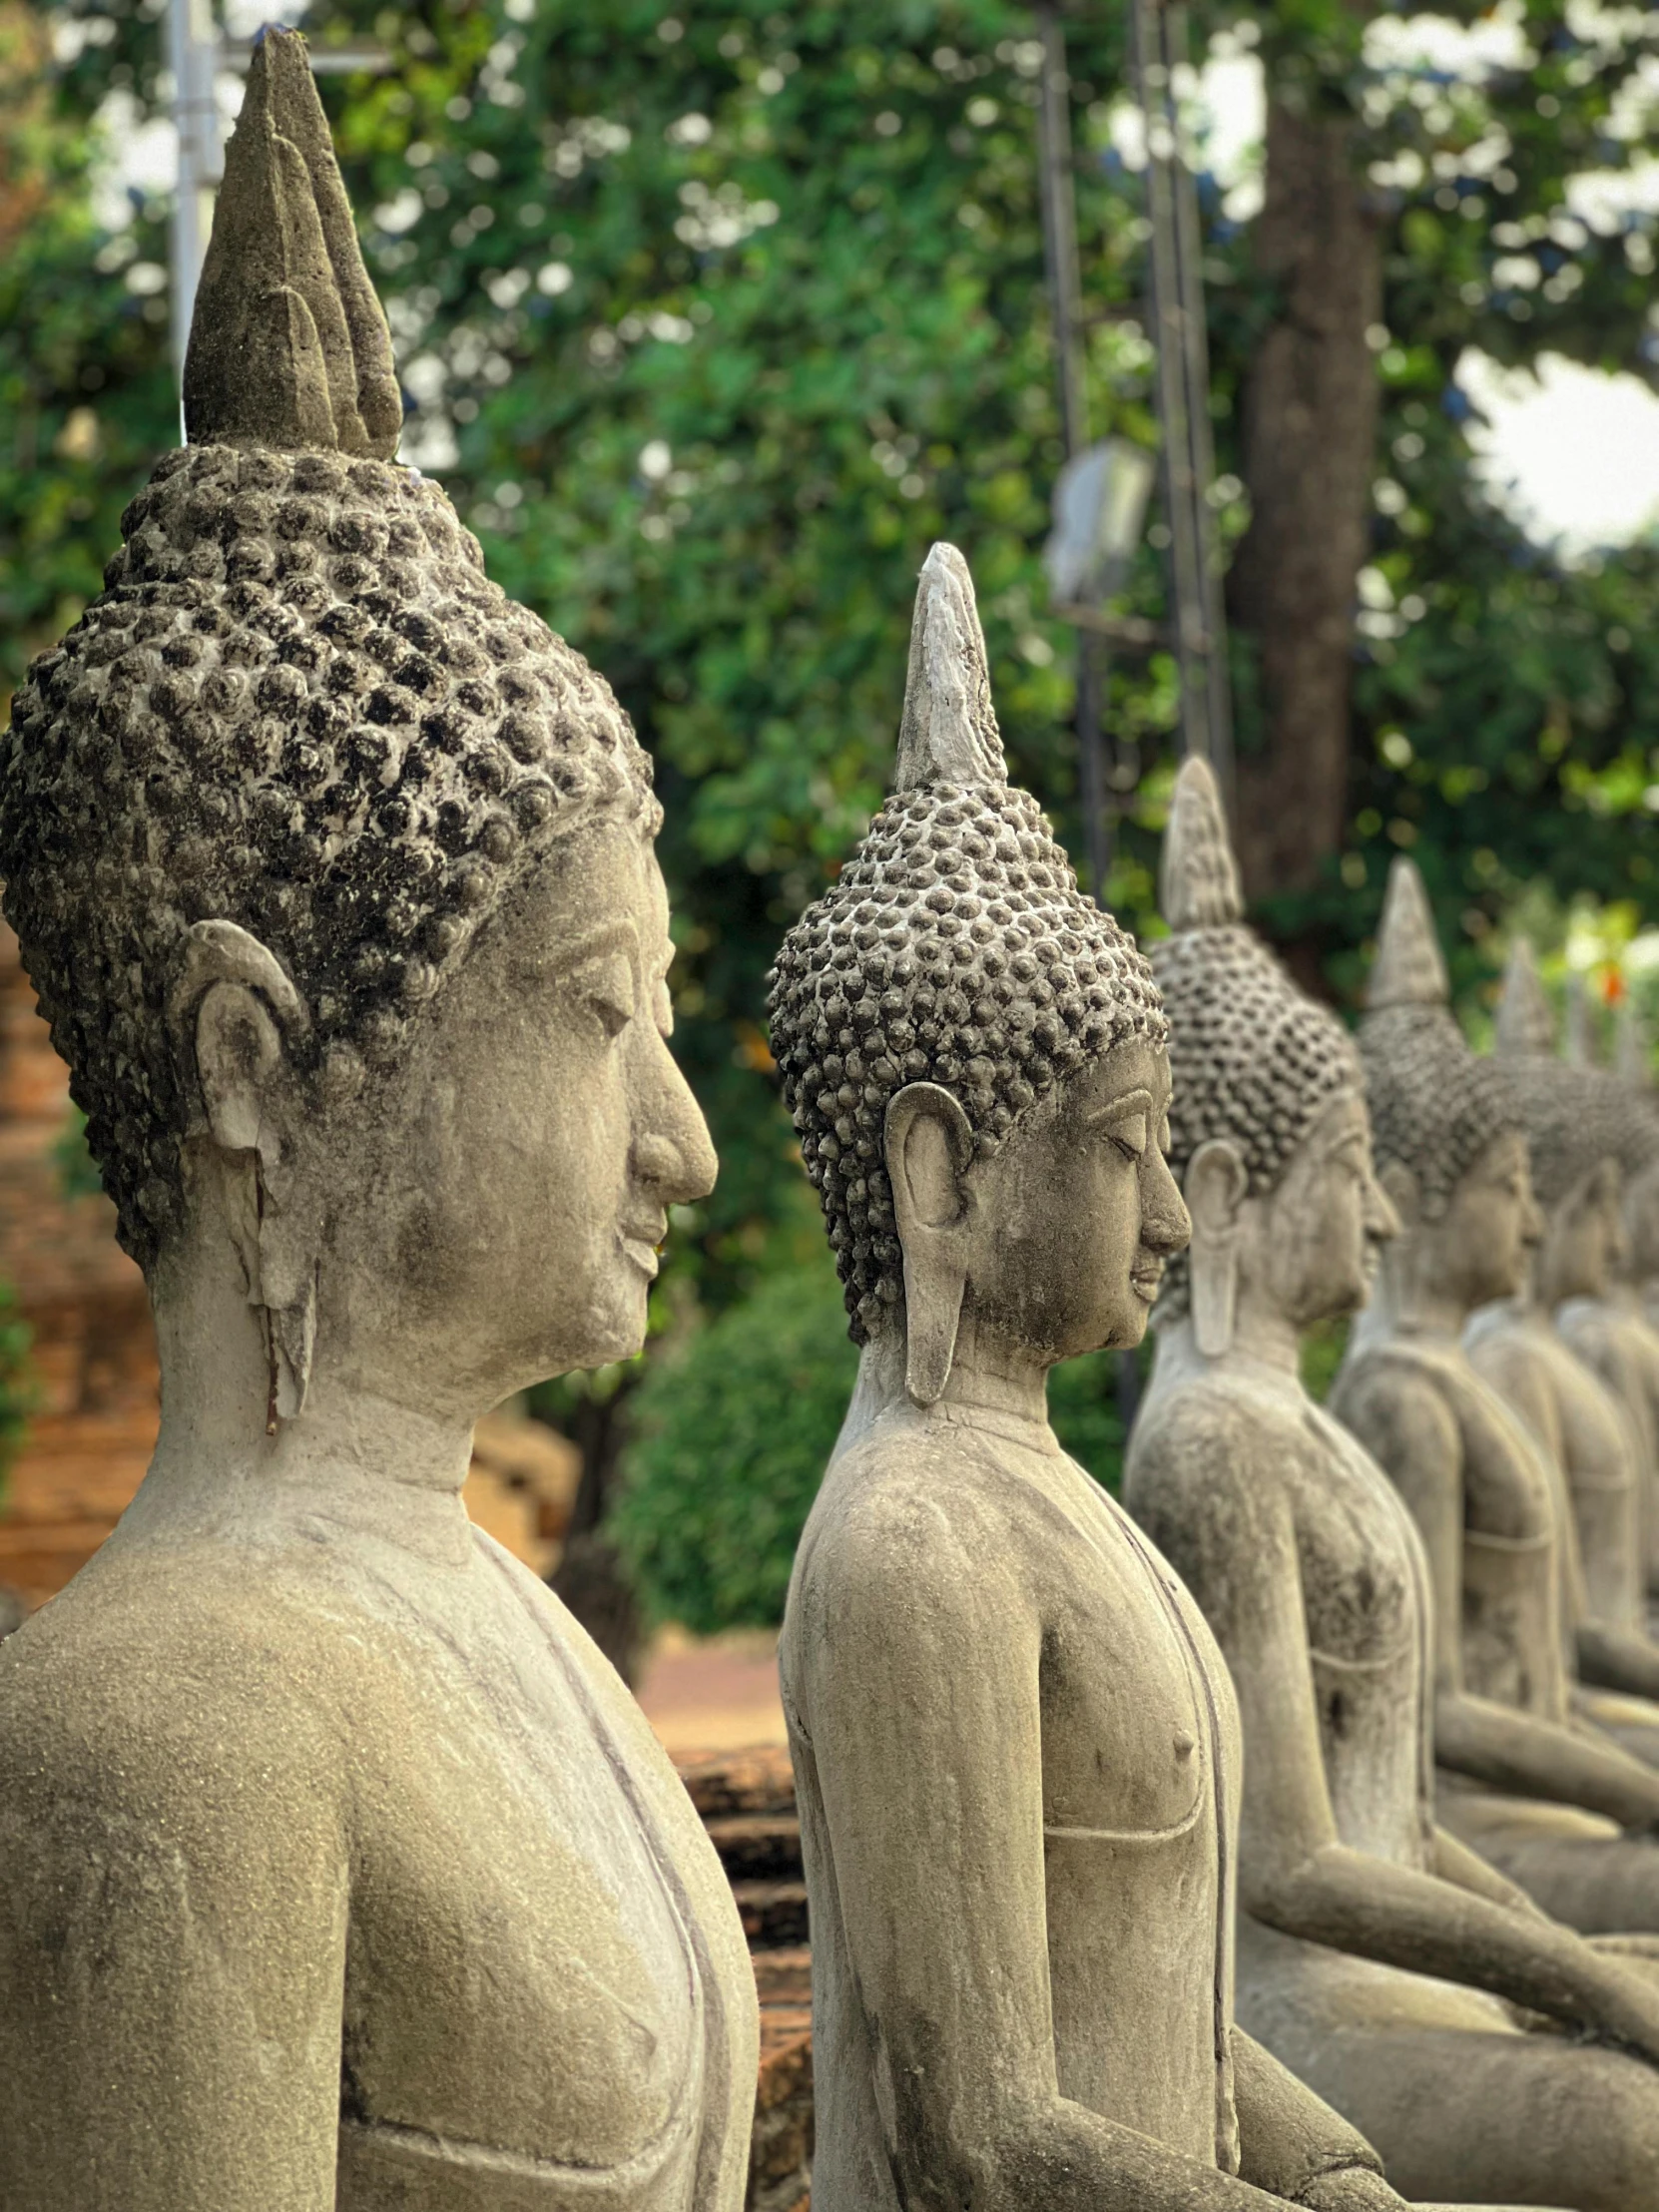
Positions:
(1287, 1833)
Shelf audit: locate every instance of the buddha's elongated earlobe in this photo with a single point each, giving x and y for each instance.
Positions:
(1214, 1190)
(235, 1013)
(929, 1147)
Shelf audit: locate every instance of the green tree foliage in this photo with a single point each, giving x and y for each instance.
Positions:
(712, 314)
(733, 1429)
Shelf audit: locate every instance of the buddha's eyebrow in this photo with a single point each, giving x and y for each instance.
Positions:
(610, 936)
(1132, 1102)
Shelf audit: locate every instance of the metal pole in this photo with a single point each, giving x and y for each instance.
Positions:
(1066, 300)
(1176, 313)
(193, 55)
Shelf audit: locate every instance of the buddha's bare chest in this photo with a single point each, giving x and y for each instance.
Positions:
(1138, 1718)
(520, 1982)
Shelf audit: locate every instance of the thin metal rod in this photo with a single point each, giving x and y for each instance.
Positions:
(193, 55)
(1059, 213)
(1175, 292)
(1065, 303)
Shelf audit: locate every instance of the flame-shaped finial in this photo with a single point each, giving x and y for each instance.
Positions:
(947, 733)
(1198, 877)
(1525, 1023)
(289, 346)
(1410, 969)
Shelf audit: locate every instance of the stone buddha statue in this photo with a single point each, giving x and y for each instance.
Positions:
(1582, 1123)
(1638, 1274)
(1313, 1578)
(1543, 1797)
(1015, 1743)
(1576, 1122)
(339, 1868)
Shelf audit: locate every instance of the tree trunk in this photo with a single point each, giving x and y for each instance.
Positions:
(1309, 437)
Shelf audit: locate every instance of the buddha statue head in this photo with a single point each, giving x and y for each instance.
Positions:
(974, 1052)
(1591, 1149)
(1269, 1133)
(1449, 1144)
(333, 867)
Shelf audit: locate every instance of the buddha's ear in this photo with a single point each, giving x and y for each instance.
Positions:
(1216, 1184)
(930, 1147)
(237, 1019)
(1400, 1187)
(234, 1017)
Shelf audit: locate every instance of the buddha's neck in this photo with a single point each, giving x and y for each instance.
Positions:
(986, 1373)
(1411, 1296)
(358, 1455)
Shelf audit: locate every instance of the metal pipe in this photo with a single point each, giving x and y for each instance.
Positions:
(193, 54)
(1058, 199)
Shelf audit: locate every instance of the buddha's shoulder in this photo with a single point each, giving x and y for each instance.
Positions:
(911, 1496)
(1214, 1432)
(1399, 1388)
(179, 1661)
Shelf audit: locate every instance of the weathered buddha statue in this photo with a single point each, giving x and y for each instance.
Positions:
(1544, 1798)
(1639, 1270)
(340, 1868)
(1015, 1744)
(1584, 1120)
(1575, 1118)
(1312, 1576)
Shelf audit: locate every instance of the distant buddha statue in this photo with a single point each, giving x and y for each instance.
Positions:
(1015, 1743)
(1576, 1122)
(339, 1868)
(1311, 1576)
(1584, 1120)
(1639, 1270)
(1452, 1158)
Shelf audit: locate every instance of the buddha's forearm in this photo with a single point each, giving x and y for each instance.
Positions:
(1403, 1917)
(1615, 1659)
(1065, 2158)
(1528, 1757)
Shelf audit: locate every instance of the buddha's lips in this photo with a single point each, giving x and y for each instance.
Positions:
(1147, 1280)
(638, 1245)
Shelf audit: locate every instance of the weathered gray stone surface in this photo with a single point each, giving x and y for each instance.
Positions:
(1311, 1576)
(1451, 1154)
(1577, 1121)
(340, 1868)
(1015, 1742)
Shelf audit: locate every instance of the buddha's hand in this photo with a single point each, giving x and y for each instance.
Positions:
(1349, 2190)
(1627, 2010)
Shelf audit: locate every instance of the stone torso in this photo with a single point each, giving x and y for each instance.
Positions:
(1510, 1615)
(534, 2008)
(1139, 1790)
(1363, 1583)
(1521, 1354)
(1620, 1345)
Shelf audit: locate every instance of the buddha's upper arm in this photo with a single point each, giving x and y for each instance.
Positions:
(172, 1914)
(918, 1648)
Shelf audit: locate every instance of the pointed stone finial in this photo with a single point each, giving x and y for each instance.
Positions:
(1198, 877)
(1579, 1043)
(1524, 1020)
(947, 733)
(1632, 1048)
(1410, 969)
(289, 346)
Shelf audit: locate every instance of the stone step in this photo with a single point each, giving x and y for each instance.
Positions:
(759, 1847)
(772, 1912)
(724, 1784)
